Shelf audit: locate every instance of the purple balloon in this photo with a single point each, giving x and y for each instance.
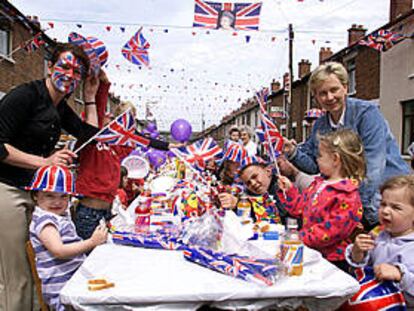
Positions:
(154, 134)
(171, 154)
(135, 152)
(181, 130)
(151, 127)
(156, 158)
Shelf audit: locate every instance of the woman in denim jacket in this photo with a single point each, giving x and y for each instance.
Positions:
(329, 86)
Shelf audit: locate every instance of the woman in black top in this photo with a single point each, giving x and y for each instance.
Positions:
(31, 118)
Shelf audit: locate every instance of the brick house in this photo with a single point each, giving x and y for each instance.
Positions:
(397, 77)
(20, 66)
(17, 66)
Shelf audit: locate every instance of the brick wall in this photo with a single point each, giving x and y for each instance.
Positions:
(26, 67)
(367, 74)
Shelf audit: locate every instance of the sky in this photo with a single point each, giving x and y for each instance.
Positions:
(197, 74)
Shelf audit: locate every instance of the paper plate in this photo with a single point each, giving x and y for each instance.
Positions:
(137, 166)
(162, 184)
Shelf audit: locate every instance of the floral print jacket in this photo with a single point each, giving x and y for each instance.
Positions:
(330, 213)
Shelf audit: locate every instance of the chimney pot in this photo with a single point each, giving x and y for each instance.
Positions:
(355, 33)
(324, 54)
(304, 68)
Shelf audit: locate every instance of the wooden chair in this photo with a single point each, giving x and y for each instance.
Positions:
(38, 284)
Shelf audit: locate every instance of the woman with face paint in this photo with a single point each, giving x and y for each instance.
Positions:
(32, 116)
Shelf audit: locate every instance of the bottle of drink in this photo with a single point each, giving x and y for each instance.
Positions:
(292, 249)
(180, 170)
(143, 215)
(244, 208)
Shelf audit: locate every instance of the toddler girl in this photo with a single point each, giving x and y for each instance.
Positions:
(330, 207)
(59, 250)
(392, 253)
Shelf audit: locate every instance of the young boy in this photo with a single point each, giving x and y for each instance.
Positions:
(392, 253)
(59, 250)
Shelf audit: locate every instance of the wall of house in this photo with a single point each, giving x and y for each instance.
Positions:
(23, 67)
(397, 84)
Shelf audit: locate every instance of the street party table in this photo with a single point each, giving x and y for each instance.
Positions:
(148, 279)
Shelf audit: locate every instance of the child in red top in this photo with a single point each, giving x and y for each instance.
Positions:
(121, 193)
(330, 207)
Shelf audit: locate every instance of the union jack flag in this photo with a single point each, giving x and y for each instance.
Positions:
(268, 132)
(235, 152)
(34, 44)
(260, 271)
(121, 131)
(200, 152)
(156, 240)
(374, 295)
(136, 49)
(243, 16)
(381, 40)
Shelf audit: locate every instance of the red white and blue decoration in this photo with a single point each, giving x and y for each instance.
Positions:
(156, 240)
(313, 113)
(100, 50)
(247, 160)
(259, 271)
(55, 178)
(381, 40)
(374, 295)
(81, 41)
(241, 16)
(198, 153)
(268, 133)
(34, 44)
(122, 131)
(136, 49)
(235, 152)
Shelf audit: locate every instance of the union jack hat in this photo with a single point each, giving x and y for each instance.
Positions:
(247, 160)
(88, 48)
(314, 113)
(374, 295)
(54, 178)
(100, 49)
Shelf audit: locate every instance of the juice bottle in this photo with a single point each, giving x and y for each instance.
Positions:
(244, 208)
(143, 215)
(292, 249)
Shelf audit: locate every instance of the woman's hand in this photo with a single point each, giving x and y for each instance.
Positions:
(90, 88)
(61, 157)
(289, 146)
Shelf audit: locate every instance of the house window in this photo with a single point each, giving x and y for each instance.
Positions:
(408, 125)
(351, 77)
(4, 42)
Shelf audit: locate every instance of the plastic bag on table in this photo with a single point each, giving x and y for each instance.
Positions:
(205, 231)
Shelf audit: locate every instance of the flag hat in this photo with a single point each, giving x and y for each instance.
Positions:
(54, 178)
(81, 41)
(100, 49)
(314, 113)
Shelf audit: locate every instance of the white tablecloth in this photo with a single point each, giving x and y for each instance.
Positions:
(164, 280)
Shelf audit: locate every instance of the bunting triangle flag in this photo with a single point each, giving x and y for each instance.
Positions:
(136, 49)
